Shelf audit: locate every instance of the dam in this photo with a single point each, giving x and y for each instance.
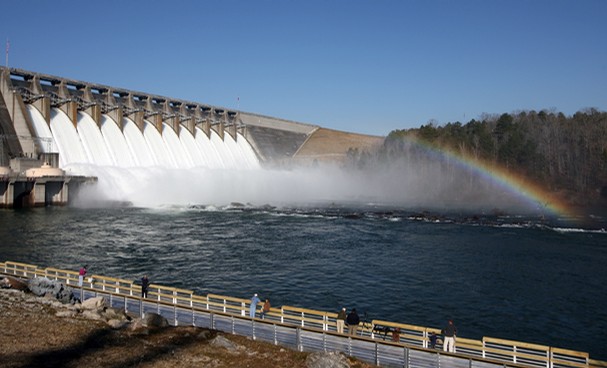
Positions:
(65, 124)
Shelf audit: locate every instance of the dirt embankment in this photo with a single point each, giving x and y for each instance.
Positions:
(33, 334)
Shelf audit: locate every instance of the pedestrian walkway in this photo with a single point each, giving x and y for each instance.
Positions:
(309, 330)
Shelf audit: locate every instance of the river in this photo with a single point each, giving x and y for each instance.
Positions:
(511, 277)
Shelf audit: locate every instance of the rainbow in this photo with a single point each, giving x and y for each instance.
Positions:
(532, 193)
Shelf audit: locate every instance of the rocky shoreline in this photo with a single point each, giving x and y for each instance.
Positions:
(44, 324)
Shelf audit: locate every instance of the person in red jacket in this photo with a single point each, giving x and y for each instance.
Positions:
(81, 274)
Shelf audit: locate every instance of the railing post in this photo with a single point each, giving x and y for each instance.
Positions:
(298, 339)
(376, 354)
(406, 356)
(275, 335)
(175, 313)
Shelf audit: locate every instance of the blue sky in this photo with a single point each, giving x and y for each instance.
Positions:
(361, 66)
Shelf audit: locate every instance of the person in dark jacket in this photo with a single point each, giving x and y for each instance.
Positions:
(352, 321)
(433, 340)
(145, 284)
(449, 332)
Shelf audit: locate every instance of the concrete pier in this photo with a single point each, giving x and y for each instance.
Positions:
(38, 189)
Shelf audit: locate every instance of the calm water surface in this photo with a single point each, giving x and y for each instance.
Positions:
(513, 278)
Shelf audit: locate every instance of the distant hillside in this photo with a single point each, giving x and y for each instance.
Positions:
(566, 154)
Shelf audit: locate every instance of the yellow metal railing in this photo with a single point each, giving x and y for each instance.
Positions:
(490, 348)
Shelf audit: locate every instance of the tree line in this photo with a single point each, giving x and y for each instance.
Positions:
(565, 154)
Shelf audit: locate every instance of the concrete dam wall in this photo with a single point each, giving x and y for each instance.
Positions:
(60, 121)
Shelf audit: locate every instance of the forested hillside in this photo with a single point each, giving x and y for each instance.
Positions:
(566, 154)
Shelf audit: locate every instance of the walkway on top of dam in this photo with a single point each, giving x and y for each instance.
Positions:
(308, 330)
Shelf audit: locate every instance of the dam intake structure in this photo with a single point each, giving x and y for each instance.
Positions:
(80, 127)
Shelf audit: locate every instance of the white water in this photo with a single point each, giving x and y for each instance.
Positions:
(116, 142)
(68, 141)
(208, 150)
(163, 156)
(189, 143)
(142, 154)
(93, 142)
(226, 156)
(136, 166)
(182, 159)
(43, 131)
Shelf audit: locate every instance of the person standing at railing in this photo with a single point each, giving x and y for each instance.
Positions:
(254, 300)
(81, 274)
(341, 320)
(396, 334)
(266, 308)
(145, 284)
(449, 332)
(433, 340)
(352, 320)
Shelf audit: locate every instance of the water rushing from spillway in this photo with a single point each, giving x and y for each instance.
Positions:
(125, 158)
(124, 145)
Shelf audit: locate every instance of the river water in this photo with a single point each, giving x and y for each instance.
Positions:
(518, 278)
